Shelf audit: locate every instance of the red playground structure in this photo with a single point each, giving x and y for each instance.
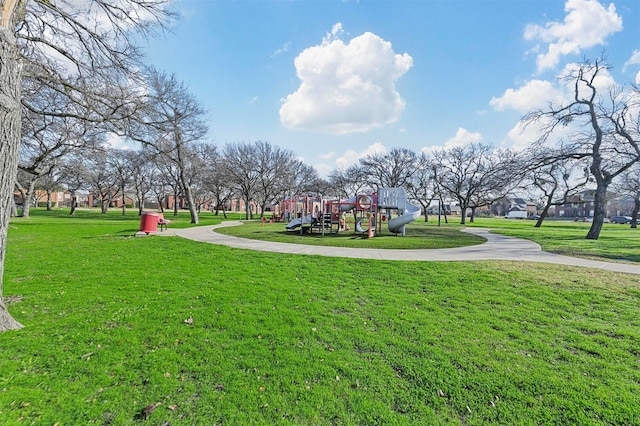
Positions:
(314, 214)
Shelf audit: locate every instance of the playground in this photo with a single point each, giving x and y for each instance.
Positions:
(309, 214)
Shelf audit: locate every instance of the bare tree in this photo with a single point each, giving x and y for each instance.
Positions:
(475, 175)
(167, 179)
(123, 164)
(628, 184)
(142, 176)
(75, 48)
(557, 180)
(48, 182)
(390, 170)
(349, 182)
(240, 159)
(218, 181)
(605, 129)
(51, 129)
(172, 119)
(422, 186)
(102, 177)
(200, 158)
(73, 174)
(277, 169)
(303, 178)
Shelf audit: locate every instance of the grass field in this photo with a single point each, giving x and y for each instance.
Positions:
(616, 243)
(420, 236)
(124, 331)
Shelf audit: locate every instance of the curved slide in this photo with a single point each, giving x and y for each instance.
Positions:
(304, 220)
(410, 213)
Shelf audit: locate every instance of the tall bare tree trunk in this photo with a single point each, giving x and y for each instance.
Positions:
(124, 201)
(186, 188)
(599, 201)
(10, 119)
(74, 203)
(636, 209)
(27, 196)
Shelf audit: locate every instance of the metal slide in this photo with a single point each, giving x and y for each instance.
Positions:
(396, 198)
(295, 223)
(411, 213)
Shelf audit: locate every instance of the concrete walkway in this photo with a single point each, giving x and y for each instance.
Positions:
(497, 247)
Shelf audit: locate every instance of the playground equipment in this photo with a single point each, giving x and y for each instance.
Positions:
(396, 198)
(329, 213)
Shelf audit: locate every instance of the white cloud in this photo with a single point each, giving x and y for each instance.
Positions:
(534, 94)
(114, 141)
(462, 137)
(351, 157)
(537, 94)
(283, 49)
(253, 100)
(521, 137)
(323, 169)
(328, 155)
(633, 60)
(586, 24)
(346, 88)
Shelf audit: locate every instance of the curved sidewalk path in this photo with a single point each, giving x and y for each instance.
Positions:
(497, 247)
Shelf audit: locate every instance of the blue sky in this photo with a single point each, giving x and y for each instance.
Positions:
(335, 80)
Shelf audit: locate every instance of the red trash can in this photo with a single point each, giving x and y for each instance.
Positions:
(148, 222)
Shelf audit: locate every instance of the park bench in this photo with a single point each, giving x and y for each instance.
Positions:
(162, 222)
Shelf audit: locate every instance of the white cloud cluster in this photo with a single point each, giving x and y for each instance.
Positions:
(587, 23)
(633, 60)
(346, 88)
(283, 49)
(114, 141)
(351, 157)
(534, 94)
(462, 137)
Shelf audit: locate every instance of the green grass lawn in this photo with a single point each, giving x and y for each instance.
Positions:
(419, 236)
(204, 334)
(616, 242)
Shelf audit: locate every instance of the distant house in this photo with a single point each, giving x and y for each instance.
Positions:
(512, 204)
(522, 205)
(583, 205)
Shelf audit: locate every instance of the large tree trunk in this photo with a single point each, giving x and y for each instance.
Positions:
(175, 202)
(193, 209)
(10, 120)
(124, 201)
(48, 200)
(545, 210)
(27, 196)
(473, 215)
(598, 212)
(23, 197)
(636, 209)
(74, 203)
(463, 214)
(247, 200)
